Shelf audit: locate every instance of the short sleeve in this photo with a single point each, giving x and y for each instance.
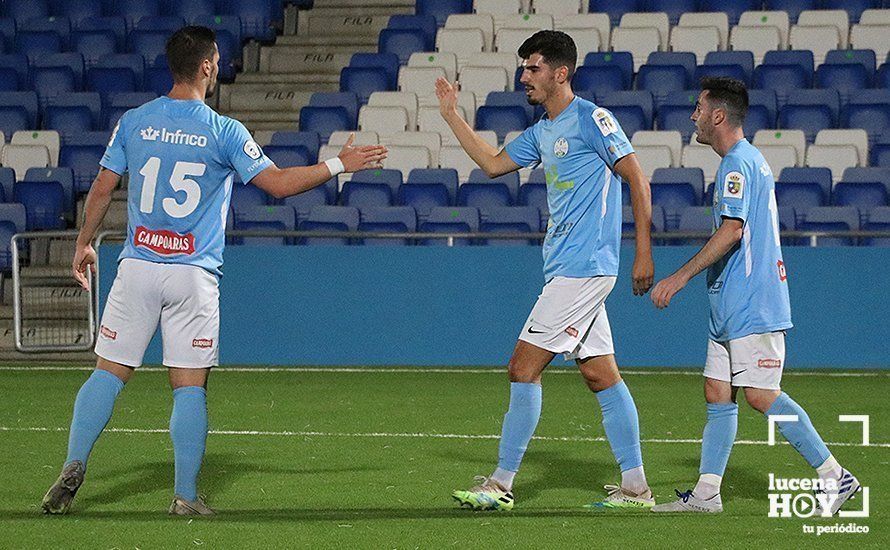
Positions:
(734, 195)
(242, 152)
(605, 135)
(524, 149)
(115, 157)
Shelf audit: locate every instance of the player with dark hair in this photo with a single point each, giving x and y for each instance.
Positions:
(585, 155)
(750, 307)
(182, 158)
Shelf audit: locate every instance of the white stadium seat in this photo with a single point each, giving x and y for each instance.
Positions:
(827, 18)
(47, 138)
(820, 40)
(655, 20)
(509, 40)
(779, 156)
(421, 81)
(857, 137)
(586, 40)
(453, 156)
(445, 59)
(558, 7)
(794, 138)
(671, 139)
(871, 37)
(22, 157)
(875, 17)
(598, 21)
(509, 61)
(835, 157)
(463, 43)
(483, 80)
(383, 120)
(652, 157)
(639, 42)
(500, 10)
(361, 138)
(757, 40)
(698, 40)
(432, 141)
(535, 22)
(704, 158)
(718, 20)
(406, 100)
(407, 157)
(482, 21)
(777, 19)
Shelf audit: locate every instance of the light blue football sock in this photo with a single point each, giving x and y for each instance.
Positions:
(519, 424)
(801, 434)
(188, 430)
(92, 410)
(622, 425)
(718, 437)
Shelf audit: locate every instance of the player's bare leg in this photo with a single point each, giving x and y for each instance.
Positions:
(92, 410)
(524, 369)
(621, 424)
(188, 430)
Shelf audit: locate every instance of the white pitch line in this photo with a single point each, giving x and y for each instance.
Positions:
(437, 370)
(409, 435)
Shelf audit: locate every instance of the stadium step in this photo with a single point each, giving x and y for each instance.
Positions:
(302, 60)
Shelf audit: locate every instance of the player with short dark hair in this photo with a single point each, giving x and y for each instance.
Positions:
(182, 158)
(585, 155)
(750, 306)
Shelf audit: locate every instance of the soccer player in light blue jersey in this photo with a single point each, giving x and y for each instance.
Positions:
(750, 308)
(181, 157)
(585, 155)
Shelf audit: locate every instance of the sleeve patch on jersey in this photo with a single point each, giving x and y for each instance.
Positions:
(734, 185)
(252, 150)
(605, 122)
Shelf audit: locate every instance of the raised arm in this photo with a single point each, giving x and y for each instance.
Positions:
(488, 158)
(721, 242)
(284, 182)
(628, 167)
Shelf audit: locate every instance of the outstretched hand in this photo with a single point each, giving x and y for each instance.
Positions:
(447, 94)
(363, 157)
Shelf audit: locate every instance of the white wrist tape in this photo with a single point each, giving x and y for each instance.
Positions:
(335, 166)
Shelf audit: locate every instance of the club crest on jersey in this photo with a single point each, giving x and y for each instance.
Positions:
(252, 150)
(561, 148)
(174, 138)
(734, 185)
(605, 122)
(164, 242)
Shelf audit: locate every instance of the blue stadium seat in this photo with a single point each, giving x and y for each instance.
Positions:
(857, 174)
(265, 218)
(248, 196)
(78, 10)
(73, 113)
(623, 60)
(388, 62)
(686, 60)
(160, 23)
(782, 79)
(535, 194)
(423, 197)
(52, 82)
(484, 195)
(868, 109)
(285, 156)
(673, 198)
(18, 63)
(7, 34)
(456, 214)
(674, 8)
(325, 120)
(37, 43)
(9, 80)
(192, 11)
(880, 153)
(846, 78)
(7, 180)
(733, 8)
(821, 176)
(882, 76)
(598, 79)
(695, 219)
(229, 56)
(44, 203)
(866, 58)
(518, 99)
(662, 80)
(425, 23)
(364, 194)
(693, 177)
(443, 227)
(18, 111)
(307, 140)
(510, 179)
(509, 219)
(445, 176)
(800, 195)
(83, 159)
(305, 201)
(158, 79)
(113, 75)
(632, 109)
(441, 9)
(134, 10)
(864, 195)
(402, 42)
(731, 71)
(878, 220)
(150, 44)
(793, 7)
(830, 218)
(363, 81)
(330, 218)
(392, 178)
(616, 8)
(810, 111)
(802, 58)
(71, 60)
(744, 59)
(675, 110)
(115, 24)
(398, 219)
(23, 10)
(93, 45)
(63, 176)
(229, 23)
(58, 25)
(762, 109)
(12, 221)
(119, 103)
(501, 119)
(256, 16)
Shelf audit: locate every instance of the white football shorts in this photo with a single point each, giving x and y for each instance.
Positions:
(183, 298)
(753, 361)
(570, 318)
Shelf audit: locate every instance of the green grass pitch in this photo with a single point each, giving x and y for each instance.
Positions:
(368, 459)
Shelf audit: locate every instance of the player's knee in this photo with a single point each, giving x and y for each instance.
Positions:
(598, 375)
(717, 391)
(760, 400)
(522, 373)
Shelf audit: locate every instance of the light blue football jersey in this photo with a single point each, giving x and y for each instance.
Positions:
(748, 287)
(578, 149)
(181, 158)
